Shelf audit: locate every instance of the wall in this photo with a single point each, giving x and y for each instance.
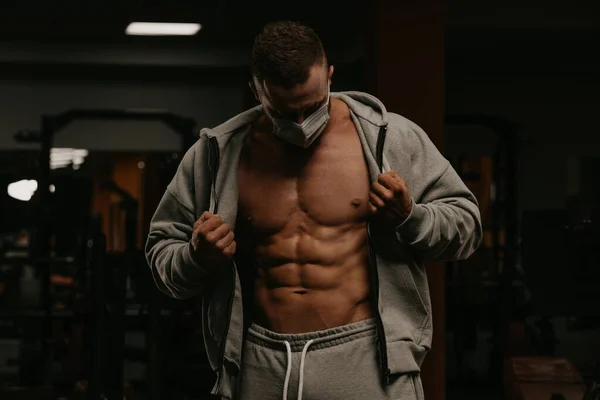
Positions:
(558, 118)
(210, 99)
(22, 102)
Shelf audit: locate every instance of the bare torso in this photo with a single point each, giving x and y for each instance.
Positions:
(302, 220)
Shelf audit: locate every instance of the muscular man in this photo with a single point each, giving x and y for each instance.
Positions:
(302, 225)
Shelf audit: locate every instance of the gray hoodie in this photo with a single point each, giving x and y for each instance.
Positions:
(445, 224)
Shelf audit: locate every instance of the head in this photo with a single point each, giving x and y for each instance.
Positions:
(290, 74)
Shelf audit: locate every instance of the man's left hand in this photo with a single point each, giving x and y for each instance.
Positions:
(390, 199)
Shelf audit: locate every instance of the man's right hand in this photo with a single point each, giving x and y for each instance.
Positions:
(212, 241)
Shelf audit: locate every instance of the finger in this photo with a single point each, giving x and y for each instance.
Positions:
(230, 250)
(210, 225)
(226, 241)
(219, 233)
(397, 176)
(372, 208)
(403, 187)
(382, 192)
(205, 216)
(390, 182)
(376, 201)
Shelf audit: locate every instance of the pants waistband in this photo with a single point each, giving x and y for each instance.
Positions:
(319, 339)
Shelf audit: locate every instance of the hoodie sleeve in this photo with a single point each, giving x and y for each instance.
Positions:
(168, 249)
(445, 222)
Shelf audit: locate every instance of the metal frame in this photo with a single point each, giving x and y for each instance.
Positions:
(102, 382)
(505, 209)
(505, 215)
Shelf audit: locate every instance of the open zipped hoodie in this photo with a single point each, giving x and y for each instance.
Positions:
(445, 224)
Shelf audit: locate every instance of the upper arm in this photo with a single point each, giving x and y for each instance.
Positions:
(410, 152)
(184, 198)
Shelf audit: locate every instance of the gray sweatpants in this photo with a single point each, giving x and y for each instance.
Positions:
(334, 364)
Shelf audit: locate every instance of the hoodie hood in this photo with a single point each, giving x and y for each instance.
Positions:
(363, 105)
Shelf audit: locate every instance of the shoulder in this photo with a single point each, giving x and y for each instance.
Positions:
(193, 155)
(339, 109)
(406, 134)
(403, 126)
(408, 142)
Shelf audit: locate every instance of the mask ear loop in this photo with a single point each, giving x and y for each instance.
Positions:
(259, 93)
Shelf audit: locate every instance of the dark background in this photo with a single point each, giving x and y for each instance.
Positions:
(531, 63)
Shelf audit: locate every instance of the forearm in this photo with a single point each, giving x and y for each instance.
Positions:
(444, 229)
(168, 253)
(445, 222)
(174, 270)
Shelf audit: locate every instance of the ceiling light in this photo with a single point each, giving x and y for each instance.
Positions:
(162, 29)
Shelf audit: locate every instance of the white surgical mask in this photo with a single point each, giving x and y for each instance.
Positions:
(303, 135)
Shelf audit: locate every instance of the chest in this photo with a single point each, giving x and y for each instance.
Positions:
(328, 184)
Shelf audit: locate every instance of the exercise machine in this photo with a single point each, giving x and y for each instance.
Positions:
(490, 296)
(104, 312)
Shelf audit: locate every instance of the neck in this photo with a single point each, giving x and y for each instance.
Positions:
(263, 124)
(338, 110)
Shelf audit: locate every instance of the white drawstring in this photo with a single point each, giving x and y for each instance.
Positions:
(288, 371)
(301, 379)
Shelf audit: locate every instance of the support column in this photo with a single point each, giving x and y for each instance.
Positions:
(405, 70)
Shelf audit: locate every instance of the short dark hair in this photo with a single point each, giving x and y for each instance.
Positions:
(284, 52)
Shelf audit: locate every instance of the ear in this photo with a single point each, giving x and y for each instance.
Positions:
(330, 73)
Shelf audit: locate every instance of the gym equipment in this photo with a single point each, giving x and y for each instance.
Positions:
(560, 262)
(558, 259)
(98, 384)
(490, 296)
(108, 273)
(504, 226)
(560, 256)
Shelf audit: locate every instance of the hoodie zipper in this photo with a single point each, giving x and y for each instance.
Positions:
(381, 341)
(214, 158)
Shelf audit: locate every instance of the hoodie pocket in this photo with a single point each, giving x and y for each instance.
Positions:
(402, 280)
(403, 287)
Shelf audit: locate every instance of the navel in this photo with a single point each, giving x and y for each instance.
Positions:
(355, 203)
